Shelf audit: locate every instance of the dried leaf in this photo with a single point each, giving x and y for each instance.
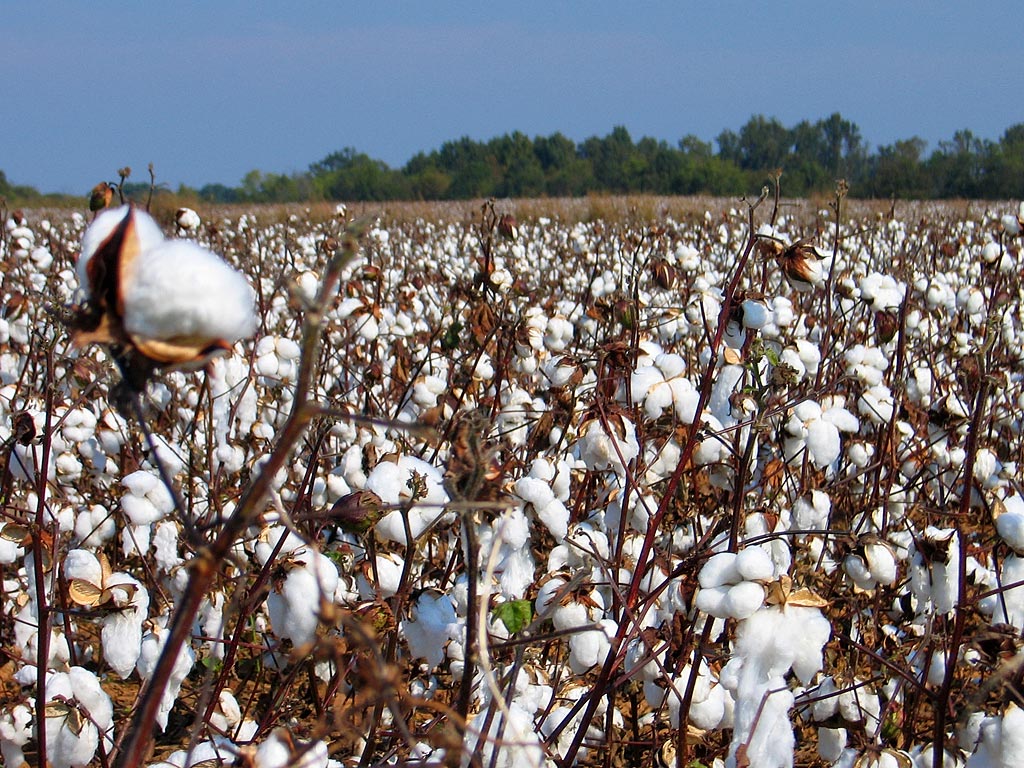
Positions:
(86, 593)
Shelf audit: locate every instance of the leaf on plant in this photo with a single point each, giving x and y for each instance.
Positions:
(514, 614)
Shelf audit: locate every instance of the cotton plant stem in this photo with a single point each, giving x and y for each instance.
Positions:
(206, 565)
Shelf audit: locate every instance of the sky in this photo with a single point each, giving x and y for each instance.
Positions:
(208, 90)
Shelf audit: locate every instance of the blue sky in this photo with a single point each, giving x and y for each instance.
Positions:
(208, 91)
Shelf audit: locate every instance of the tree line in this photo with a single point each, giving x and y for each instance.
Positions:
(812, 156)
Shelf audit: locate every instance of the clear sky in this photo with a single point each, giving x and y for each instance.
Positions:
(208, 90)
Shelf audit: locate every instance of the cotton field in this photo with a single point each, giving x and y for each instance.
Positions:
(510, 487)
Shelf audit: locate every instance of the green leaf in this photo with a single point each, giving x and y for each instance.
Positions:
(451, 338)
(514, 614)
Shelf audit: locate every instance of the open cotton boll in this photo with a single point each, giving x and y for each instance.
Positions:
(15, 732)
(82, 564)
(102, 227)
(600, 450)
(393, 482)
(71, 737)
(180, 290)
(280, 750)
(295, 609)
(743, 599)
(152, 646)
(121, 635)
(1010, 526)
(519, 745)
(719, 569)
(433, 625)
(754, 564)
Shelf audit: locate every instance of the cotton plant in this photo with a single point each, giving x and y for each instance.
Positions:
(870, 563)
(123, 600)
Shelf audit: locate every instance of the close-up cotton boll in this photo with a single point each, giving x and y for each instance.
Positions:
(173, 300)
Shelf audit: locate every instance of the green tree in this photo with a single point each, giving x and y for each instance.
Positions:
(898, 171)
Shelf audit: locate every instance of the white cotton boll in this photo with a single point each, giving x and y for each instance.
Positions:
(743, 599)
(719, 569)
(571, 616)
(135, 540)
(589, 648)
(433, 625)
(712, 601)
(121, 635)
(1013, 734)
(754, 564)
(1010, 527)
(15, 732)
(812, 513)
(519, 746)
(755, 314)
(391, 482)
(102, 227)
(82, 564)
(139, 509)
(857, 704)
(152, 645)
(179, 290)
(94, 526)
(708, 713)
(389, 578)
(187, 219)
(811, 630)
(600, 450)
(295, 609)
(68, 748)
(857, 569)
(881, 563)
(1011, 225)
(831, 743)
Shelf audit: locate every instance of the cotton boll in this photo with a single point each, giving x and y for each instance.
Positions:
(152, 646)
(15, 732)
(712, 600)
(82, 564)
(831, 743)
(881, 563)
(102, 227)
(121, 635)
(433, 625)
(215, 302)
(72, 738)
(590, 647)
(857, 704)
(812, 513)
(600, 450)
(295, 608)
(719, 569)
(754, 564)
(857, 569)
(743, 599)
(1010, 526)
(520, 745)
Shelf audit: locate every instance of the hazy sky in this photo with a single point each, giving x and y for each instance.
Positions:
(208, 90)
